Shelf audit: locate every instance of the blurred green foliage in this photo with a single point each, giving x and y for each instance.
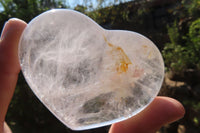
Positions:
(183, 50)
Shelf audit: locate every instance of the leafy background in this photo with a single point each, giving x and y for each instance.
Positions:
(173, 25)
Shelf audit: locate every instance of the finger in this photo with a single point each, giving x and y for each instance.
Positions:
(161, 111)
(9, 64)
(9, 46)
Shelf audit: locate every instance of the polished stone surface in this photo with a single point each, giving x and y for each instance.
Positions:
(85, 75)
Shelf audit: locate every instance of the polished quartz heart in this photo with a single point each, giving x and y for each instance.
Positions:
(85, 75)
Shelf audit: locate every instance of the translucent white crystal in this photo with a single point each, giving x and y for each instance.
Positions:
(85, 75)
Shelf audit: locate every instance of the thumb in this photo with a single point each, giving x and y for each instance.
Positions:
(161, 111)
(9, 64)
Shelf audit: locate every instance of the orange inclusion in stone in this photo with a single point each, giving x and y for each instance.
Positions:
(122, 60)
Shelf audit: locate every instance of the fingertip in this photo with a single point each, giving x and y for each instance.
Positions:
(172, 107)
(9, 45)
(12, 23)
(15, 22)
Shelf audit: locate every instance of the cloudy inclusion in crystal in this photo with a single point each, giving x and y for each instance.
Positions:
(85, 75)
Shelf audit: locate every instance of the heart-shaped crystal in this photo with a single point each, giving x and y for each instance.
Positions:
(85, 75)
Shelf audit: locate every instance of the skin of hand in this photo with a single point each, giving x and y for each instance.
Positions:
(161, 111)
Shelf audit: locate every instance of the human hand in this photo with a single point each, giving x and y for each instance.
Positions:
(9, 66)
(161, 111)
